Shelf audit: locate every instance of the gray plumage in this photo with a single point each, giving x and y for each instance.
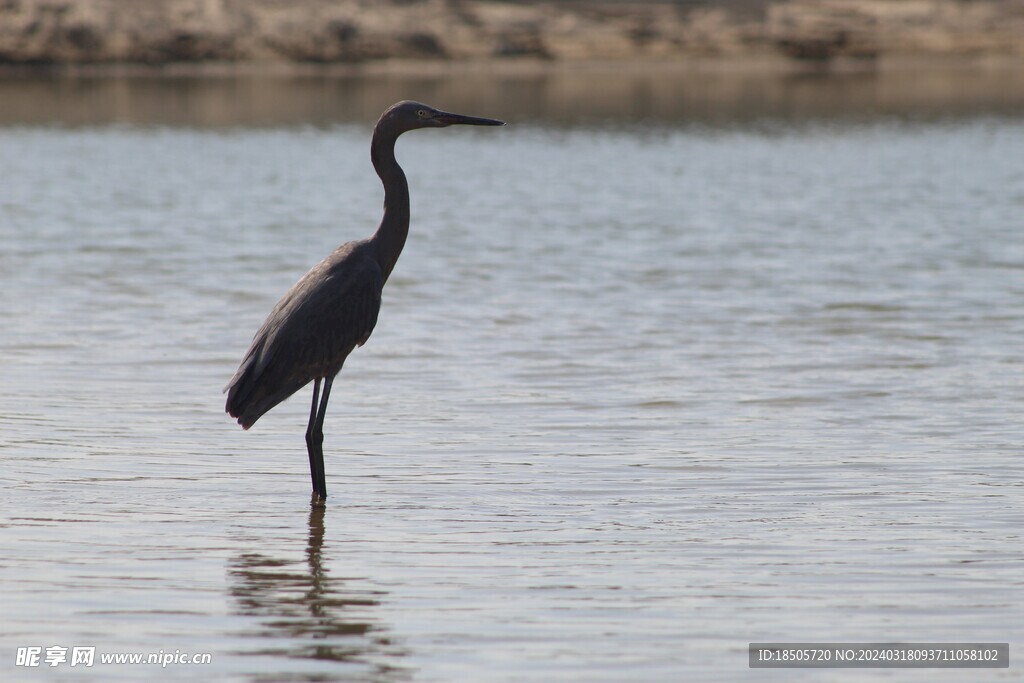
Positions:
(333, 308)
(310, 332)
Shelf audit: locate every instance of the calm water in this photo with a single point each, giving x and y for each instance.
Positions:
(639, 394)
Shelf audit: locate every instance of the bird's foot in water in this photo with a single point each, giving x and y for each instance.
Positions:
(317, 500)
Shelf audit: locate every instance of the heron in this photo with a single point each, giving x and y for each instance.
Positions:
(333, 308)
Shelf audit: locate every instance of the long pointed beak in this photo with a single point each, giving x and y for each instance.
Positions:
(447, 119)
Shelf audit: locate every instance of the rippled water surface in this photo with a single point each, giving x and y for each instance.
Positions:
(639, 395)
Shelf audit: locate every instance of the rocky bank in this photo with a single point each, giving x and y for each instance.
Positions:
(60, 33)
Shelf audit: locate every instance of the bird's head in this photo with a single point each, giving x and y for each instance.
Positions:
(409, 115)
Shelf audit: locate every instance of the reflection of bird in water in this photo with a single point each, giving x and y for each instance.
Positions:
(306, 614)
(333, 308)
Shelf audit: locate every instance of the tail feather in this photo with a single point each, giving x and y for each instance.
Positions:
(253, 391)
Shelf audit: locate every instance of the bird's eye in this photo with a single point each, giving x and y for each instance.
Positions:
(422, 113)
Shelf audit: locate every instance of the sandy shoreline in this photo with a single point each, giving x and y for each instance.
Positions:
(264, 37)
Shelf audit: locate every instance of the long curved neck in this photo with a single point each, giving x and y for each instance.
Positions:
(394, 226)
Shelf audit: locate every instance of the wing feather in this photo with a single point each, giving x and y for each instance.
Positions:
(310, 332)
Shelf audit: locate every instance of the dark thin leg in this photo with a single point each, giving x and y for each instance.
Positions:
(309, 433)
(318, 439)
